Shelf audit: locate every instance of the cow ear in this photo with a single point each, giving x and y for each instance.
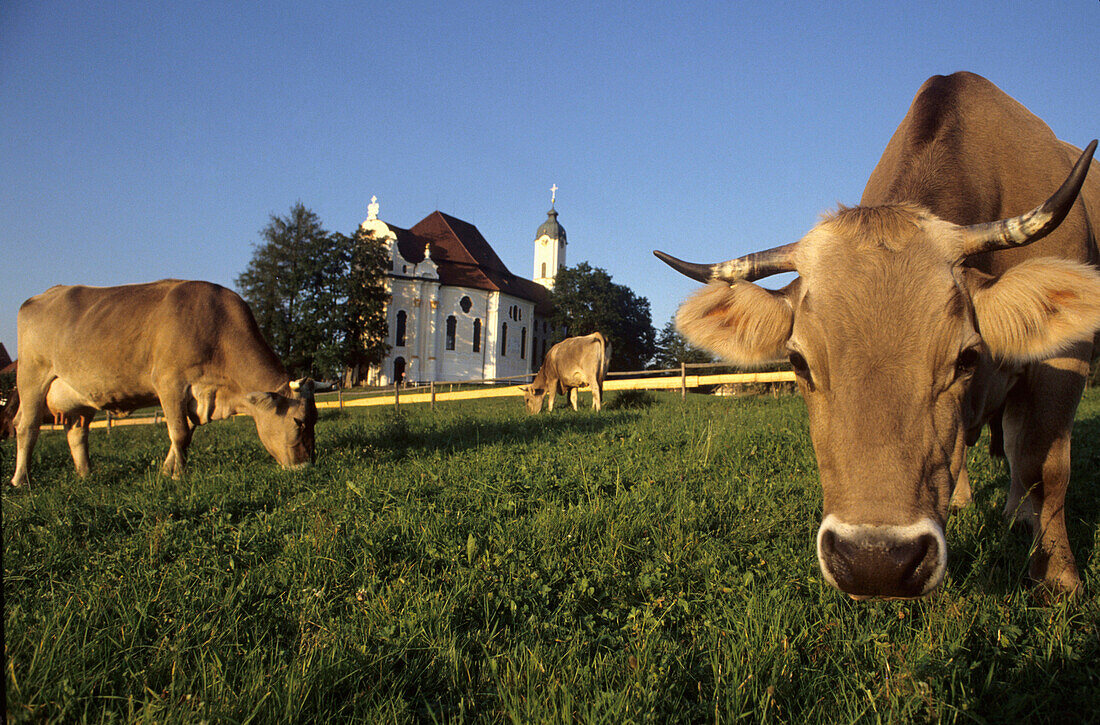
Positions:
(263, 401)
(1037, 308)
(524, 388)
(743, 322)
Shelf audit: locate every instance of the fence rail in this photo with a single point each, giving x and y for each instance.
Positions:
(670, 379)
(647, 380)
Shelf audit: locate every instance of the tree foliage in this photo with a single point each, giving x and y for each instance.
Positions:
(364, 319)
(673, 348)
(585, 300)
(315, 294)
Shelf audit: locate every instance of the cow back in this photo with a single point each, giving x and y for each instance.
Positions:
(112, 342)
(970, 153)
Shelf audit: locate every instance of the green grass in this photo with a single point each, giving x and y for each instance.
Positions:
(651, 563)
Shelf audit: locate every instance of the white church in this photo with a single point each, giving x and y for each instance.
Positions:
(456, 312)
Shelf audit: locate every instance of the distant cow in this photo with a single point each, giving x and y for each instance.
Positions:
(572, 363)
(192, 347)
(922, 314)
(7, 415)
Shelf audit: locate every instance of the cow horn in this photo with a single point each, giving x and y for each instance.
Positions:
(750, 268)
(1031, 226)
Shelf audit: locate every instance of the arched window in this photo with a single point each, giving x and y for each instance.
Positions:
(399, 370)
(543, 269)
(452, 325)
(504, 339)
(523, 343)
(402, 317)
(477, 335)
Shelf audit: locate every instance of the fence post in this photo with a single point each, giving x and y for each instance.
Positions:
(110, 419)
(340, 397)
(396, 394)
(431, 384)
(683, 381)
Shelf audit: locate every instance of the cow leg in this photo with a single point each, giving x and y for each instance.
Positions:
(597, 395)
(32, 409)
(574, 397)
(76, 430)
(996, 436)
(1037, 427)
(179, 433)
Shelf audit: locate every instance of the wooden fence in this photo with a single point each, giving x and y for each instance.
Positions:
(672, 379)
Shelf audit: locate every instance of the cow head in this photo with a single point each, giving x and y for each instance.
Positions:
(285, 420)
(891, 337)
(532, 397)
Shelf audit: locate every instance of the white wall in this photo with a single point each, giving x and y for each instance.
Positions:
(415, 289)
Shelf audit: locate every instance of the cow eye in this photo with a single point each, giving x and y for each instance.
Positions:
(967, 361)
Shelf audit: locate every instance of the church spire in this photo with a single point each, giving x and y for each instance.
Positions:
(549, 245)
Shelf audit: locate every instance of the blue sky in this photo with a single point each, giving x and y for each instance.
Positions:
(143, 140)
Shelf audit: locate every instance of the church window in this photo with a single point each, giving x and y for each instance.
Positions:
(523, 343)
(452, 325)
(504, 339)
(400, 332)
(477, 335)
(543, 269)
(465, 304)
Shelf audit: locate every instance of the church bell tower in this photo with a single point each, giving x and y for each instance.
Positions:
(549, 246)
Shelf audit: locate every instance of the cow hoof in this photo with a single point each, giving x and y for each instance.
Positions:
(1049, 592)
(958, 503)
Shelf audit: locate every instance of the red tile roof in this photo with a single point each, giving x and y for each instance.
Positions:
(465, 259)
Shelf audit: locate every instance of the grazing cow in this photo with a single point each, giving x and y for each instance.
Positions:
(573, 362)
(7, 415)
(194, 347)
(938, 304)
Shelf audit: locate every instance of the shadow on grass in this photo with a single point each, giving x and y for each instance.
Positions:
(403, 435)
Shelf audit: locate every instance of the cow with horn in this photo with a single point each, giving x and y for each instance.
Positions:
(947, 299)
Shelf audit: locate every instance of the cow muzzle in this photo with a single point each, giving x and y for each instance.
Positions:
(897, 562)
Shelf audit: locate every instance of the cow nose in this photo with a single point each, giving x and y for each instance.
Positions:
(882, 561)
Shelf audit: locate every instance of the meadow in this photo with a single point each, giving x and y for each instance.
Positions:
(652, 563)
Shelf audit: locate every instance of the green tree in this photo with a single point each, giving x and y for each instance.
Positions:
(673, 349)
(365, 329)
(296, 285)
(585, 300)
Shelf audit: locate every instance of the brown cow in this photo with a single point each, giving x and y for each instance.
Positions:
(192, 347)
(572, 363)
(919, 315)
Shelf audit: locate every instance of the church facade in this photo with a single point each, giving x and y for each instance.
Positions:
(456, 313)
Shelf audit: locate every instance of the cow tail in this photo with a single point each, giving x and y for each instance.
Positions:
(606, 362)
